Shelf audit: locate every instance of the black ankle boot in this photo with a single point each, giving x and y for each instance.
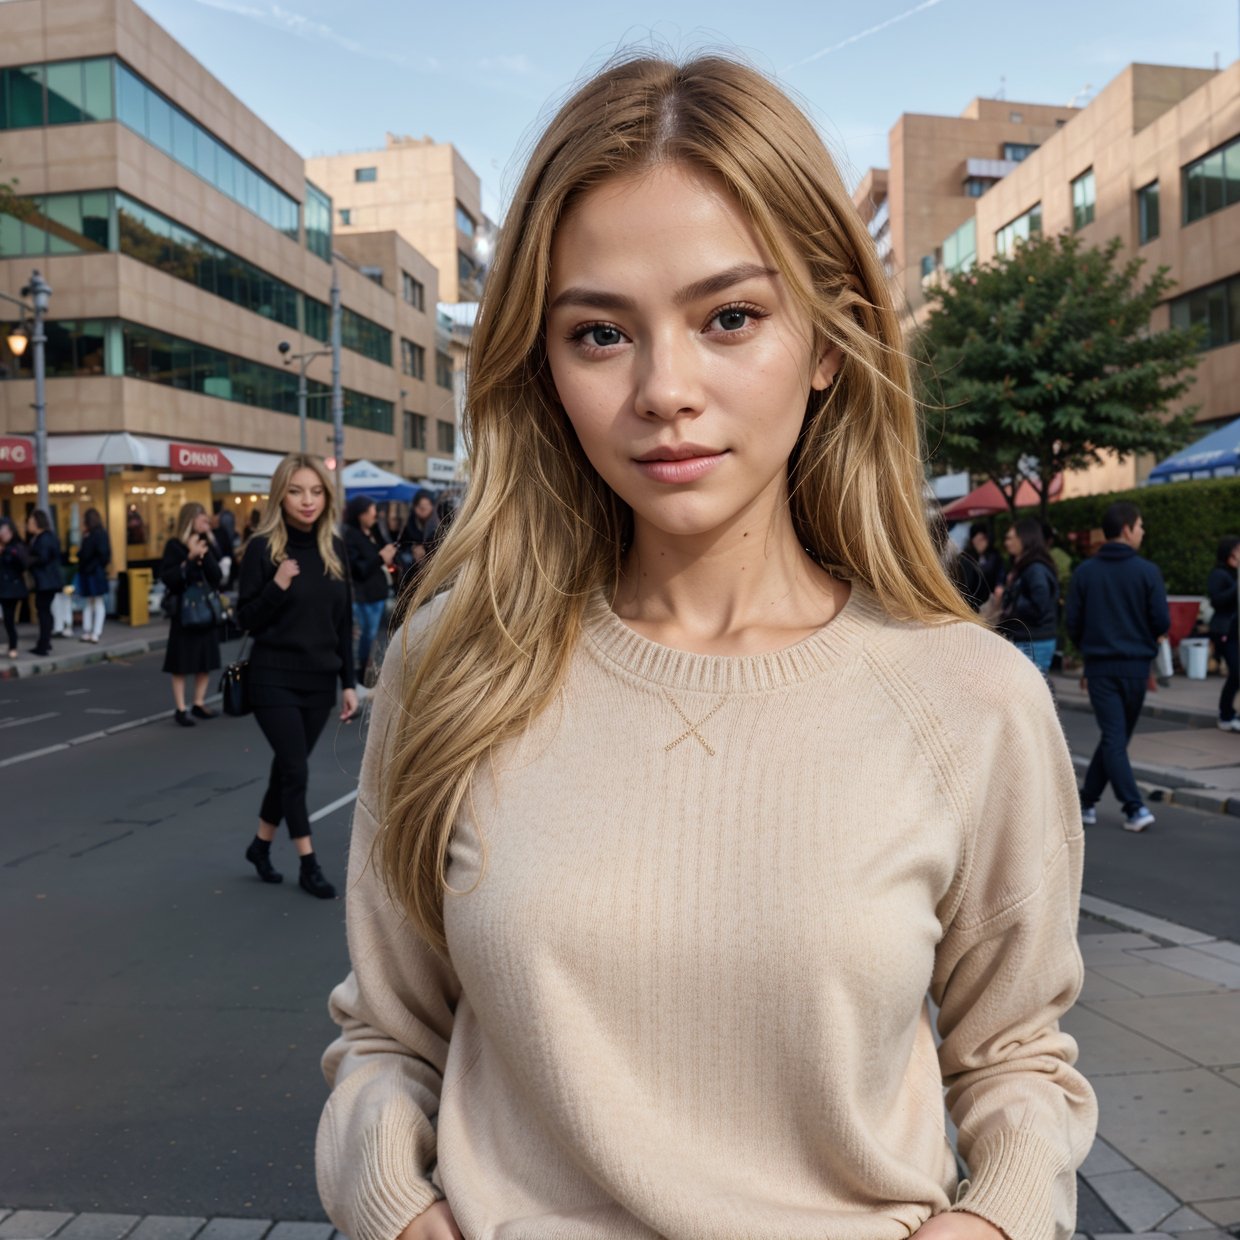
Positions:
(312, 879)
(259, 856)
(182, 717)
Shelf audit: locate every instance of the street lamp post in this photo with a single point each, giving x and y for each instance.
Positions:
(303, 360)
(39, 292)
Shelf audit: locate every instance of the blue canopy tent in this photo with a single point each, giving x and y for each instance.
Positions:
(366, 478)
(1215, 456)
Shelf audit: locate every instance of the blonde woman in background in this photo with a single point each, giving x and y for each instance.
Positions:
(189, 560)
(295, 601)
(691, 774)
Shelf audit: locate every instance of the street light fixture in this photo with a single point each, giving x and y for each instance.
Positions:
(39, 293)
(303, 360)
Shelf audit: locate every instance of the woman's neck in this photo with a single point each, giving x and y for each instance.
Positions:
(748, 588)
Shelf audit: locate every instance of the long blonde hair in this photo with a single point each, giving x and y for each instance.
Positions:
(272, 526)
(540, 532)
(190, 511)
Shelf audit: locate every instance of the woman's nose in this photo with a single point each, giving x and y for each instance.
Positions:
(669, 381)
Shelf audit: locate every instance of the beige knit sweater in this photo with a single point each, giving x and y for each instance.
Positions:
(687, 995)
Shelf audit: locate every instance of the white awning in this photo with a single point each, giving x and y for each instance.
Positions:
(146, 451)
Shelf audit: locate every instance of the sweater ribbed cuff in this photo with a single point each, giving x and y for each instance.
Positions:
(1013, 1182)
(390, 1193)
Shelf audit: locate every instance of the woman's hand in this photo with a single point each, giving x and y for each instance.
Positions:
(388, 554)
(349, 708)
(958, 1225)
(436, 1223)
(286, 572)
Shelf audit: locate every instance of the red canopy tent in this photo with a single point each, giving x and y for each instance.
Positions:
(988, 500)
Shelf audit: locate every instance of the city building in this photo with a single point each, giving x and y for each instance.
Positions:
(184, 246)
(1154, 159)
(421, 189)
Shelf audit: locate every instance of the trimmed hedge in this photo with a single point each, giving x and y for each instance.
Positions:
(1183, 523)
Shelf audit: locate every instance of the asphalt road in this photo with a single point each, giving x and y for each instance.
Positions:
(163, 1012)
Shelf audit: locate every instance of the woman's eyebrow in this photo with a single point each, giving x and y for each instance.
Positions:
(709, 286)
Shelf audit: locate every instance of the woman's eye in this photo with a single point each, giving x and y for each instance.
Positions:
(602, 336)
(732, 320)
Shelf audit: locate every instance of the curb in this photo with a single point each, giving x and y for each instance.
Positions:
(1191, 716)
(82, 658)
(1168, 787)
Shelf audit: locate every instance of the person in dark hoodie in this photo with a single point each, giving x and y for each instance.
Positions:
(1117, 611)
(1225, 628)
(43, 560)
(1030, 615)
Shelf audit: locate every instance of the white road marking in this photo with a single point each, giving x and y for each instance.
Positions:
(13, 723)
(75, 692)
(334, 806)
(103, 710)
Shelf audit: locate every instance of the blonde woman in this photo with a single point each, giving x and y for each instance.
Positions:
(691, 776)
(189, 561)
(295, 602)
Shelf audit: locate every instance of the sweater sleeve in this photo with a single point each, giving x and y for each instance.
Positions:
(376, 1146)
(1159, 610)
(344, 636)
(172, 568)
(1008, 967)
(258, 596)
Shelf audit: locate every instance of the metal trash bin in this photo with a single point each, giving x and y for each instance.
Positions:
(1195, 653)
(139, 581)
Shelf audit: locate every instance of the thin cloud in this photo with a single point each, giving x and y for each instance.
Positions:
(863, 34)
(279, 18)
(519, 65)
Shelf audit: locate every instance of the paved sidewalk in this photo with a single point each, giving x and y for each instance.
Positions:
(119, 640)
(1191, 764)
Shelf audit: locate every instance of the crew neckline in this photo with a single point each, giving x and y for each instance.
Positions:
(689, 671)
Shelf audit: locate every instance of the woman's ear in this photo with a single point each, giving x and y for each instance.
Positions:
(827, 368)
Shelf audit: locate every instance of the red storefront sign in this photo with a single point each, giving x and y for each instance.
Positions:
(16, 453)
(196, 458)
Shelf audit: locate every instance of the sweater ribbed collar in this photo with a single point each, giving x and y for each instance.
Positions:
(842, 636)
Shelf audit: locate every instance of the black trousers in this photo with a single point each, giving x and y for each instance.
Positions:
(43, 605)
(291, 731)
(1228, 649)
(10, 606)
(1117, 702)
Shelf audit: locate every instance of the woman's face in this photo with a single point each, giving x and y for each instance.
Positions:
(367, 519)
(678, 353)
(423, 509)
(980, 540)
(32, 527)
(304, 500)
(201, 524)
(1012, 544)
(6, 534)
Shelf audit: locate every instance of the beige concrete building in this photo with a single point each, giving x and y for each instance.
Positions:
(1154, 159)
(184, 245)
(421, 189)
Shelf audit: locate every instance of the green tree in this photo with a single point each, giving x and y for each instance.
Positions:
(1040, 360)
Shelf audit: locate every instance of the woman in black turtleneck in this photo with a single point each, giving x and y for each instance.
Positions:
(296, 603)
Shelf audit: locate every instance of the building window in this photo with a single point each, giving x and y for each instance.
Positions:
(75, 347)
(1017, 151)
(415, 432)
(58, 224)
(346, 216)
(960, 249)
(318, 221)
(1147, 212)
(443, 369)
(447, 438)
(373, 273)
(975, 187)
(1020, 229)
(365, 174)
(1216, 308)
(1212, 182)
(365, 336)
(927, 265)
(1083, 200)
(413, 291)
(412, 359)
(464, 221)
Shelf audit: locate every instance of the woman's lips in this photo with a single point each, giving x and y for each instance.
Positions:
(690, 469)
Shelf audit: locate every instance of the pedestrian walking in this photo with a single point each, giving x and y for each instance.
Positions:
(417, 539)
(690, 774)
(981, 550)
(94, 556)
(294, 601)
(1117, 611)
(1225, 628)
(191, 575)
(369, 563)
(47, 573)
(1029, 616)
(13, 587)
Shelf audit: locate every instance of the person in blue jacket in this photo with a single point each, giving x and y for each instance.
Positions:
(1117, 611)
(1221, 585)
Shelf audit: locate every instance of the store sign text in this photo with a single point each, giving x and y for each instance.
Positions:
(193, 458)
(16, 452)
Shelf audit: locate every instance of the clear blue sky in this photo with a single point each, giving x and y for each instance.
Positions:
(333, 77)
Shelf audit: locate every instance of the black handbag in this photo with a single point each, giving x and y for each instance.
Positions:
(201, 608)
(235, 686)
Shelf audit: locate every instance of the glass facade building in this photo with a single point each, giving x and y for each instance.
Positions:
(1212, 182)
